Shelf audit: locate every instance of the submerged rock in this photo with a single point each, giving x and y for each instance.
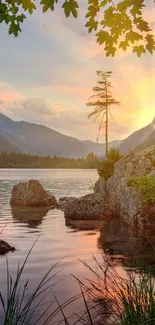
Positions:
(84, 224)
(31, 194)
(88, 207)
(5, 247)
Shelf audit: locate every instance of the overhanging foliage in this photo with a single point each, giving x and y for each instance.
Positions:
(117, 24)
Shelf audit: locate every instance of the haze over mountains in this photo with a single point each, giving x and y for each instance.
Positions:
(40, 140)
(138, 137)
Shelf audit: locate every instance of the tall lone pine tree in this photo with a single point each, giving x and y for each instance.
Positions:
(101, 102)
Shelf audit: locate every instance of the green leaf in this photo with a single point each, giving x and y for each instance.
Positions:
(104, 3)
(21, 18)
(124, 45)
(92, 25)
(70, 7)
(141, 24)
(28, 5)
(122, 6)
(150, 46)
(2, 17)
(47, 4)
(102, 37)
(132, 36)
(74, 12)
(139, 50)
(110, 51)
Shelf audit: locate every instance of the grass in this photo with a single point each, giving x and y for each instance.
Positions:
(119, 300)
(21, 306)
(106, 295)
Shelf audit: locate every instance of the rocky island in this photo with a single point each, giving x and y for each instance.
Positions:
(128, 193)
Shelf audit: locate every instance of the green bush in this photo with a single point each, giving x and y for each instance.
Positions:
(106, 166)
(146, 186)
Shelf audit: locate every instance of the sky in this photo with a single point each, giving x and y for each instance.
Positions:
(47, 75)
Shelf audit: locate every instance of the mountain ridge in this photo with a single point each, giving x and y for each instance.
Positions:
(136, 138)
(38, 139)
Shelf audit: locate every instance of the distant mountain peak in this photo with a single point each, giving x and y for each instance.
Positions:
(137, 138)
(153, 121)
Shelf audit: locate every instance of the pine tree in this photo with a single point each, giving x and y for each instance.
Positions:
(101, 102)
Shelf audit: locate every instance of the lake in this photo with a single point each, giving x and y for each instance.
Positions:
(57, 241)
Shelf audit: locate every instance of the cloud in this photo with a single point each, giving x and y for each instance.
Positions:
(8, 92)
(59, 117)
(81, 92)
(1, 101)
(36, 105)
(51, 71)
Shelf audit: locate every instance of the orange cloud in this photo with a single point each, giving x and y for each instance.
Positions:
(8, 92)
(82, 92)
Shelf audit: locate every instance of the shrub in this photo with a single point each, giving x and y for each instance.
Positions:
(106, 166)
(146, 186)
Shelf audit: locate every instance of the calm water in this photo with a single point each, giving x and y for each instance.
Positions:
(57, 241)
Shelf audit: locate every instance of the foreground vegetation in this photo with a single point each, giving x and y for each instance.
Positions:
(119, 25)
(144, 185)
(107, 298)
(106, 166)
(19, 160)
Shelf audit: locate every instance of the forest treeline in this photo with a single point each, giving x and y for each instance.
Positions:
(19, 160)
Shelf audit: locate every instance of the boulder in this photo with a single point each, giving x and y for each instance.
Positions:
(121, 199)
(88, 207)
(64, 201)
(31, 194)
(5, 247)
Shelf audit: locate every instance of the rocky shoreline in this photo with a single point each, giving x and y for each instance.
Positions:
(117, 197)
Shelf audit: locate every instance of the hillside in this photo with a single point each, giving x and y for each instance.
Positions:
(34, 139)
(37, 139)
(137, 138)
(6, 146)
(99, 148)
(150, 141)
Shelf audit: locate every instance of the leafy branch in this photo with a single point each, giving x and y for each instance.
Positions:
(119, 25)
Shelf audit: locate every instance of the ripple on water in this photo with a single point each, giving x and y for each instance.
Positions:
(56, 240)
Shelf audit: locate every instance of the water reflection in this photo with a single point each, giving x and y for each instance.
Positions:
(121, 244)
(83, 224)
(33, 217)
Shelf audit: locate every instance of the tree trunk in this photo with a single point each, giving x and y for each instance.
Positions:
(106, 126)
(106, 132)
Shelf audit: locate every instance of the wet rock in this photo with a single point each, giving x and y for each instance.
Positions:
(88, 207)
(64, 201)
(5, 247)
(31, 194)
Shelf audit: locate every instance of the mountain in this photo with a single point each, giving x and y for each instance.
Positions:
(40, 140)
(6, 145)
(137, 138)
(150, 141)
(99, 148)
